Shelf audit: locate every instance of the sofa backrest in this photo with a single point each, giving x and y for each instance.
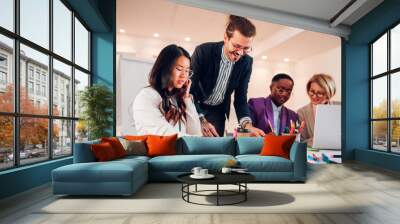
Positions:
(191, 145)
(249, 145)
(83, 152)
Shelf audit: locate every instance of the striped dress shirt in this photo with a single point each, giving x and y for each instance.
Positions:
(225, 69)
(218, 94)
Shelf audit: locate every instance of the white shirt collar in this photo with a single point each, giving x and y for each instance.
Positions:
(276, 108)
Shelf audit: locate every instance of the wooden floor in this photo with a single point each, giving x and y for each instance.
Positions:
(377, 188)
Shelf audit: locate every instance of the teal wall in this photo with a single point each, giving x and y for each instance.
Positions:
(24, 178)
(103, 53)
(355, 59)
(99, 16)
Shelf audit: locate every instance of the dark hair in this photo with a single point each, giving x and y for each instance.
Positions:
(160, 78)
(280, 76)
(241, 24)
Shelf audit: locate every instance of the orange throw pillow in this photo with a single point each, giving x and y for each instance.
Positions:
(135, 137)
(161, 145)
(116, 145)
(277, 145)
(103, 152)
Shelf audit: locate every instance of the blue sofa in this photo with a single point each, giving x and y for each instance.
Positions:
(125, 176)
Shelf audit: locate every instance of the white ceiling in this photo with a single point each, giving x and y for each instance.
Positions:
(314, 15)
(174, 22)
(319, 9)
(323, 10)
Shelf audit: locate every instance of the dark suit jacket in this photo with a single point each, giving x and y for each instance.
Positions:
(205, 65)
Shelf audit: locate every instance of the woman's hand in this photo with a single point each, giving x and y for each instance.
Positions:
(187, 86)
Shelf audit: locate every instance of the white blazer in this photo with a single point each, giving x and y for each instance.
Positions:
(148, 118)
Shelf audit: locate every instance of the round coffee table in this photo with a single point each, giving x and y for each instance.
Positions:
(238, 179)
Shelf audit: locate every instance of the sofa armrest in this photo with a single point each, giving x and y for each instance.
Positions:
(83, 152)
(298, 155)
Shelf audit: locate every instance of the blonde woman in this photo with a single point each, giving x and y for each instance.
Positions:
(320, 89)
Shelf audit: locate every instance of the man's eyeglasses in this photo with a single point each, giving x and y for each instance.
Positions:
(237, 47)
(282, 90)
(314, 93)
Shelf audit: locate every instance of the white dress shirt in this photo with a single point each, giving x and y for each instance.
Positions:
(277, 120)
(148, 118)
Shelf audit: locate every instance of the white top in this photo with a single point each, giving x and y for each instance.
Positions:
(149, 119)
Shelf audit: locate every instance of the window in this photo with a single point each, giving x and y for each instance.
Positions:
(6, 142)
(7, 14)
(3, 61)
(81, 81)
(30, 87)
(3, 72)
(62, 74)
(45, 119)
(62, 31)
(81, 45)
(34, 21)
(34, 146)
(37, 75)
(6, 73)
(385, 94)
(44, 91)
(30, 72)
(3, 78)
(37, 89)
(62, 137)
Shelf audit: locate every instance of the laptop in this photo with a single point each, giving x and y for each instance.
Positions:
(327, 127)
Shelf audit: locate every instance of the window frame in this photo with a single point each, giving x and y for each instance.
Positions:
(388, 74)
(15, 71)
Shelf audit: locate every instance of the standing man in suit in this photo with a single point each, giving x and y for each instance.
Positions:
(270, 114)
(220, 69)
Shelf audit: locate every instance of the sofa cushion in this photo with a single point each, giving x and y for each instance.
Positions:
(116, 145)
(112, 171)
(161, 145)
(191, 145)
(103, 152)
(131, 158)
(134, 147)
(257, 163)
(135, 137)
(277, 145)
(249, 145)
(185, 163)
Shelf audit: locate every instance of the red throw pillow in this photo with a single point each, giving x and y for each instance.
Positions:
(161, 145)
(277, 145)
(103, 152)
(116, 145)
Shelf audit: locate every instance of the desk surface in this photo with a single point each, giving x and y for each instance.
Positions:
(324, 156)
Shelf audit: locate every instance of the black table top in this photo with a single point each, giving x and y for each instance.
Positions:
(220, 178)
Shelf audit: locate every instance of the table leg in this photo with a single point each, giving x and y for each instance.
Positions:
(182, 190)
(245, 191)
(217, 194)
(196, 188)
(188, 190)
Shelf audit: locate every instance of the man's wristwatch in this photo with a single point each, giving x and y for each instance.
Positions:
(203, 119)
(245, 123)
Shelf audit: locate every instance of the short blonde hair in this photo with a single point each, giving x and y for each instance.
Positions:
(325, 81)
